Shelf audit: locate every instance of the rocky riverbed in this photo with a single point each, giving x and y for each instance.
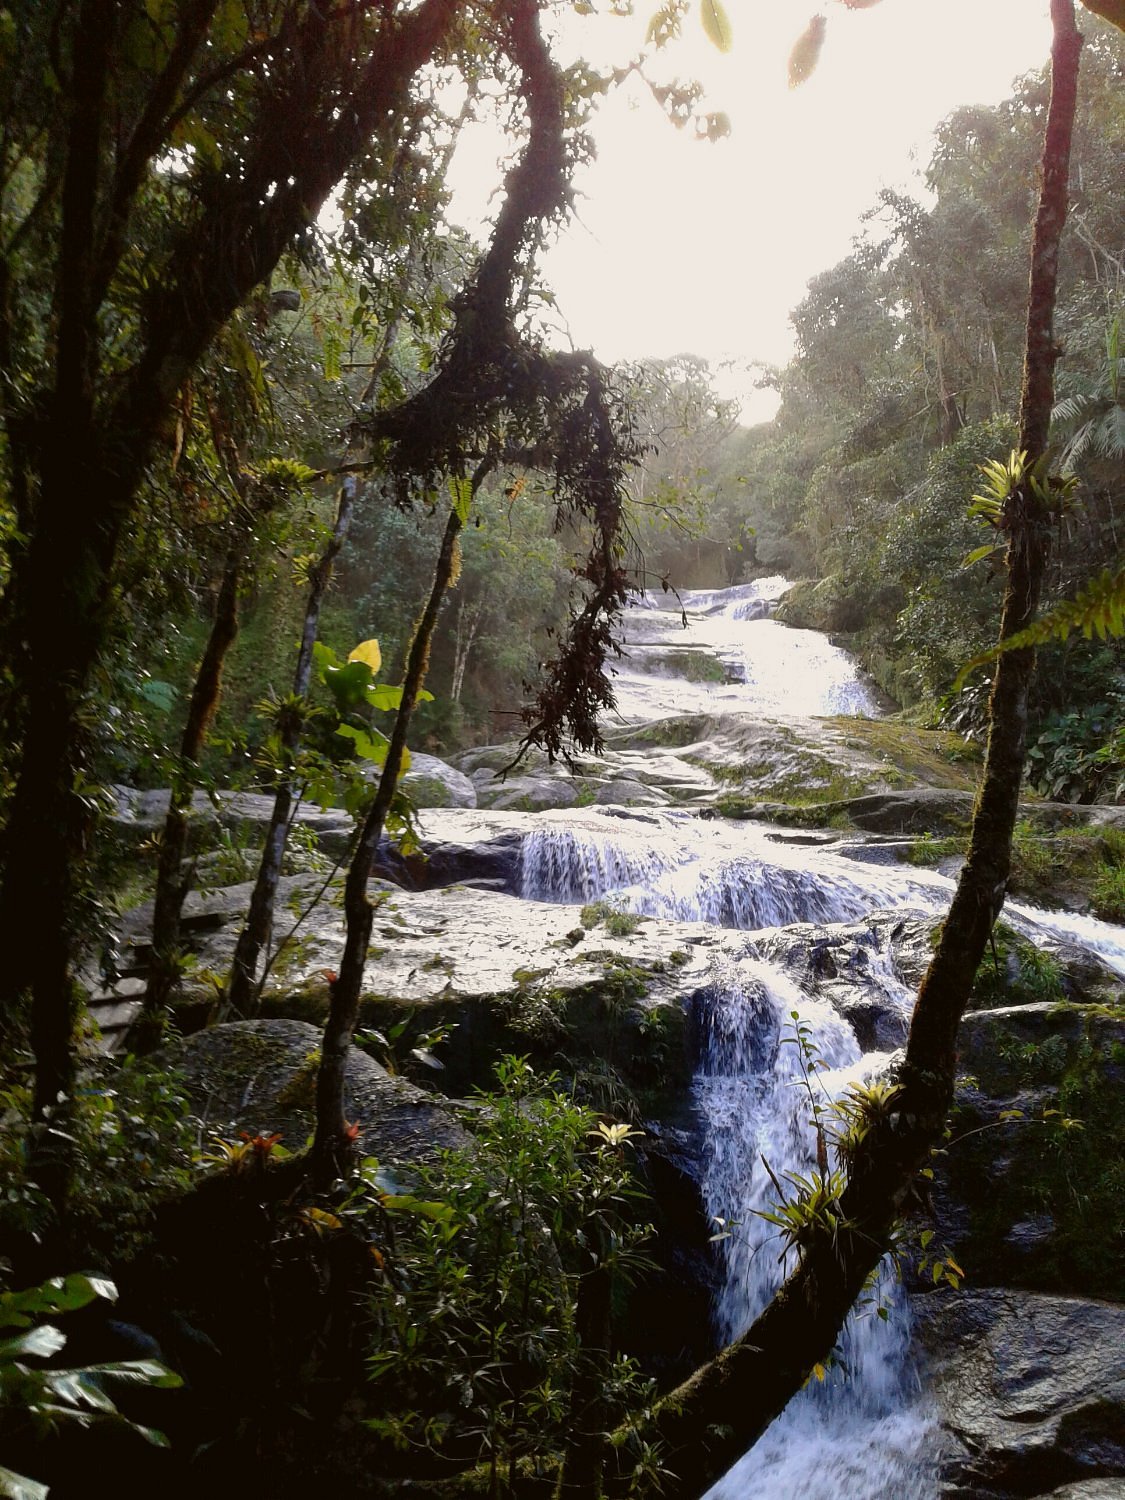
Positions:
(641, 923)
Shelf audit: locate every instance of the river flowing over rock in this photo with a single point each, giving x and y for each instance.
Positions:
(633, 889)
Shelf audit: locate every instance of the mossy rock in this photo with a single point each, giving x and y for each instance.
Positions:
(1032, 1184)
(260, 1076)
(825, 605)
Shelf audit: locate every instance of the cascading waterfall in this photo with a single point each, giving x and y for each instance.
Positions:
(674, 866)
(866, 1432)
(768, 667)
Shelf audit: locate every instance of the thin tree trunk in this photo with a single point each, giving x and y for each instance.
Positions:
(242, 997)
(171, 884)
(331, 1147)
(725, 1406)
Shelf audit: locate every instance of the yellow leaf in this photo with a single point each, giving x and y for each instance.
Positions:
(806, 51)
(819, 1371)
(368, 651)
(716, 26)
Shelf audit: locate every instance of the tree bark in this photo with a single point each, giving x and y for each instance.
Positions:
(171, 884)
(723, 1408)
(242, 997)
(331, 1149)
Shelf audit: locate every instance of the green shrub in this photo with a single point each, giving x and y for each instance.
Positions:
(484, 1351)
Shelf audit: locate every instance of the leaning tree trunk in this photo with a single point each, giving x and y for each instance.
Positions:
(331, 1146)
(242, 997)
(725, 1406)
(171, 883)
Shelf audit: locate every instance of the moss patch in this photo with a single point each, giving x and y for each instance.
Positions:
(932, 757)
(1078, 867)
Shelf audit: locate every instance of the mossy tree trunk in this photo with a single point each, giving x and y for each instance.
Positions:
(331, 1150)
(242, 995)
(721, 1410)
(171, 882)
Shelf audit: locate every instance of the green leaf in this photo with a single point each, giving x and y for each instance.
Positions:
(383, 696)
(332, 352)
(407, 1203)
(348, 685)
(977, 553)
(716, 25)
(369, 743)
(36, 1343)
(15, 1486)
(461, 497)
(161, 695)
(1097, 609)
(146, 1372)
(60, 1294)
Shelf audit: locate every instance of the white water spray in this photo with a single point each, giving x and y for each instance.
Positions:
(865, 1432)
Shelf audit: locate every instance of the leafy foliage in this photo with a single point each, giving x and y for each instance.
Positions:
(37, 1399)
(489, 1258)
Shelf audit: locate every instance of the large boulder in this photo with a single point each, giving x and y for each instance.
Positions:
(138, 814)
(431, 782)
(627, 793)
(1031, 1390)
(867, 969)
(260, 1076)
(1028, 1189)
(527, 793)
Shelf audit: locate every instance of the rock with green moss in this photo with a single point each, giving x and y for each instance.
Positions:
(1031, 1186)
(260, 1077)
(431, 782)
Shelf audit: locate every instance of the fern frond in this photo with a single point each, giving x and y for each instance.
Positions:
(1097, 609)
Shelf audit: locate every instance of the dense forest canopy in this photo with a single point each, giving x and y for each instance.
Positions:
(294, 487)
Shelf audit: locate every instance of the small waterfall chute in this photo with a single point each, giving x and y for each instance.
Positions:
(865, 1431)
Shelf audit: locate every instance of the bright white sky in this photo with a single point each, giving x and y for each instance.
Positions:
(685, 246)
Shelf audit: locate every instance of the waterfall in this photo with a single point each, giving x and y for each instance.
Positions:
(769, 667)
(736, 875)
(866, 1434)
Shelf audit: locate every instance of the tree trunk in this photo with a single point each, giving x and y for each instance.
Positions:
(725, 1406)
(331, 1146)
(242, 998)
(171, 883)
(102, 435)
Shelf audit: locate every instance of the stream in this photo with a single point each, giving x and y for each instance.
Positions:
(867, 1430)
(637, 829)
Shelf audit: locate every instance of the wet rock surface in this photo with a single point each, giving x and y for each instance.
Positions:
(260, 1076)
(1031, 1390)
(431, 782)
